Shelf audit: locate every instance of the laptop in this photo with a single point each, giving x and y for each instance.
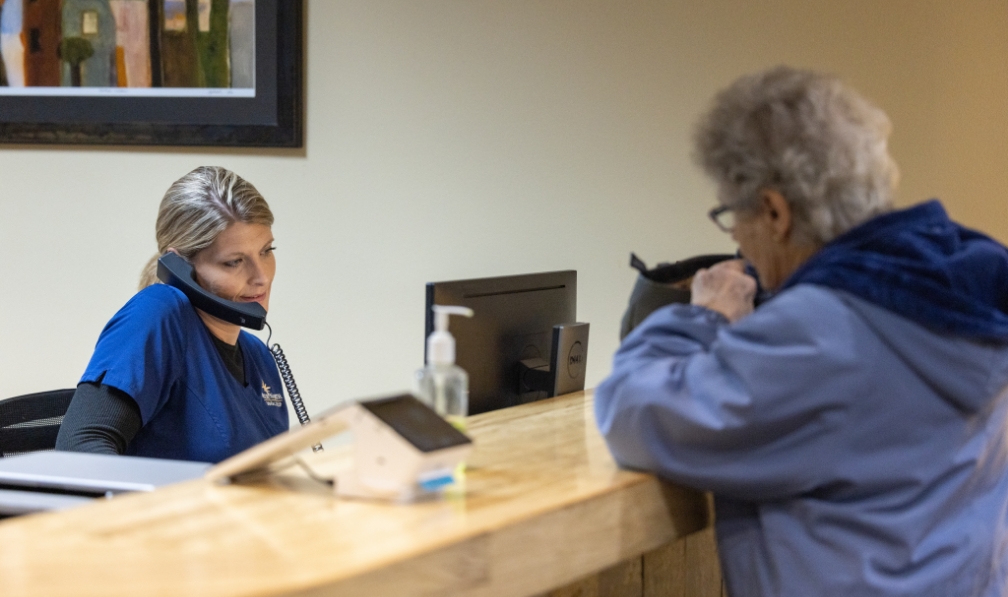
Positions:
(56, 480)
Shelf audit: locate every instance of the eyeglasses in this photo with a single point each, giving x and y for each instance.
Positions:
(723, 217)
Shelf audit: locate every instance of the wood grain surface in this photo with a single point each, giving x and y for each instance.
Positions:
(543, 506)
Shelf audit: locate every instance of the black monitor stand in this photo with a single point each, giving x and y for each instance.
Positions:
(565, 371)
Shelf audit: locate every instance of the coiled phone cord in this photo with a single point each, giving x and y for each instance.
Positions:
(288, 380)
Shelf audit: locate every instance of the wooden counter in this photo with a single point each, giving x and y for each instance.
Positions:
(544, 506)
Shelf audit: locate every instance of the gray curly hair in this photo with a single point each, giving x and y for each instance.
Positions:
(806, 135)
(198, 207)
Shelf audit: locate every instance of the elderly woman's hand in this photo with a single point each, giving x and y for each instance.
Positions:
(725, 288)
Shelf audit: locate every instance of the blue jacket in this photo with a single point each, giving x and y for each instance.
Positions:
(851, 450)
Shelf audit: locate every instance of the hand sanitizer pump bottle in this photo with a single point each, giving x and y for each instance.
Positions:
(441, 384)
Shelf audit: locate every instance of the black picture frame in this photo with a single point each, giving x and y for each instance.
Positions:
(273, 118)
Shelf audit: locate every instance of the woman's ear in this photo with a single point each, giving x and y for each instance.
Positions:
(173, 250)
(777, 213)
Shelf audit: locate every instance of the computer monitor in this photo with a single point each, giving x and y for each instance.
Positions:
(513, 321)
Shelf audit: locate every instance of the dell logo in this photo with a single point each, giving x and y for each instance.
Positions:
(575, 360)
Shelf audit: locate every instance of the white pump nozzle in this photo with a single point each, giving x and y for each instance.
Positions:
(441, 344)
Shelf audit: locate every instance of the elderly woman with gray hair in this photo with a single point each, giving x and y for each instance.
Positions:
(851, 429)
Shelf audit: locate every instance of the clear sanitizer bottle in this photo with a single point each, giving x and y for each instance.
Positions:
(441, 384)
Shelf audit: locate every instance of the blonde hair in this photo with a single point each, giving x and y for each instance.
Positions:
(819, 143)
(197, 208)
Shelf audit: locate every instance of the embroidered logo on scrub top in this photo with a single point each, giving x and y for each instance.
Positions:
(270, 398)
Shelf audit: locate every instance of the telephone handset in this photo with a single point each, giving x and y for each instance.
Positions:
(175, 271)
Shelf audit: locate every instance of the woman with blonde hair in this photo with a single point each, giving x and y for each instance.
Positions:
(168, 380)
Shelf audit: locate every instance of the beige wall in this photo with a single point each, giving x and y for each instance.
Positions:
(450, 139)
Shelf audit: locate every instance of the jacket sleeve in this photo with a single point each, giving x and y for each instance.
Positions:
(739, 409)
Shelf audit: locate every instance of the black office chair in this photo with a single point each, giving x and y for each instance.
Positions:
(30, 423)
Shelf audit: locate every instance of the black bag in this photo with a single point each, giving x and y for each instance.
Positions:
(667, 283)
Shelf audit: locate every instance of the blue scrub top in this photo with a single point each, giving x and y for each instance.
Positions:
(157, 350)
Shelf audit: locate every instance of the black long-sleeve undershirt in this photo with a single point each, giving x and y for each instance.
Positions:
(101, 420)
(104, 420)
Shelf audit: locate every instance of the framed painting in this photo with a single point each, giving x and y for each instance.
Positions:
(152, 72)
